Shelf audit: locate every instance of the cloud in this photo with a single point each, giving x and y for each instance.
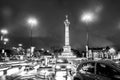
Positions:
(6, 11)
(100, 42)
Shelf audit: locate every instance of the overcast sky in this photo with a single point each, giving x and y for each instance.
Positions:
(103, 31)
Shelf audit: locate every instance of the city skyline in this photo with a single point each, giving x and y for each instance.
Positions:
(103, 31)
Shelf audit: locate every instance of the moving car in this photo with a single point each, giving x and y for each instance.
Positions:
(61, 75)
(52, 64)
(97, 70)
(62, 64)
(28, 68)
(45, 72)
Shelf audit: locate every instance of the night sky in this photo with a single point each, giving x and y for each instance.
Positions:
(103, 31)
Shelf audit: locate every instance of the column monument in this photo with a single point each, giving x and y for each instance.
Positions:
(67, 48)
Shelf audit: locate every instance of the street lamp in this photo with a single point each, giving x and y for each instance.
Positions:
(32, 21)
(3, 32)
(5, 40)
(88, 17)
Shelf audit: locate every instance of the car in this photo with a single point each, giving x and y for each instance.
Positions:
(76, 61)
(16, 66)
(45, 72)
(4, 65)
(61, 75)
(51, 64)
(28, 68)
(97, 70)
(62, 64)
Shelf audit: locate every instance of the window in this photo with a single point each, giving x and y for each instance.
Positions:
(87, 68)
(105, 70)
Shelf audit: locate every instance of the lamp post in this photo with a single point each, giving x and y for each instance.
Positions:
(88, 17)
(3, 33)
(5, 40)
(32, 21)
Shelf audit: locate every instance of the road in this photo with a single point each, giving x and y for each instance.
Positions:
(35, 75)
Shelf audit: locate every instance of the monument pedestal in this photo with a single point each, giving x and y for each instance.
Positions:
(67, 57)
(67, 53)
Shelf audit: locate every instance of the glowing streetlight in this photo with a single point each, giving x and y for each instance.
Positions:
(88, 17)
(3, 39)
(3, 32)
(32, 21)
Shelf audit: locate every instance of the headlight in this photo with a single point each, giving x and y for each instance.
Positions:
(68, 67)
(117, 62)
(57, 67)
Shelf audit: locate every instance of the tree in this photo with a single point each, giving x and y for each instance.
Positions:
(112, 52)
